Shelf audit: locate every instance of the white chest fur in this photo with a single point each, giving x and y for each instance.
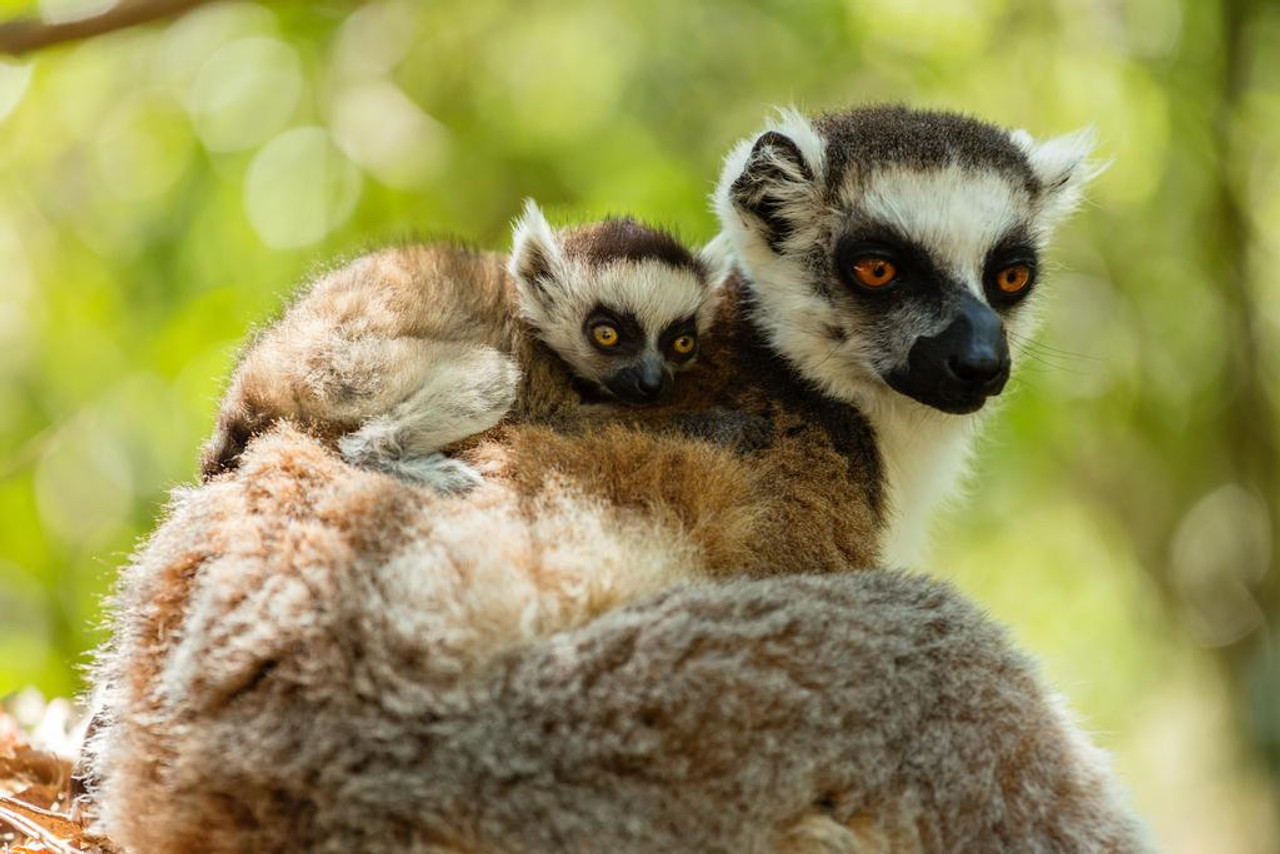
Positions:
(925, 455)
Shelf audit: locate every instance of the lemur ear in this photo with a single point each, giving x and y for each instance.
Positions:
(1063, 166)
(769, 179)
(772, 176)
(535, 253)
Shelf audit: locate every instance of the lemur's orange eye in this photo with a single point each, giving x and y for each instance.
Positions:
(684, 345)
(873, 272)
(1013, 278)
(604, 335)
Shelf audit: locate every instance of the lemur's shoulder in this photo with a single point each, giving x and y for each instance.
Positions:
(764, 474)
(745, 392)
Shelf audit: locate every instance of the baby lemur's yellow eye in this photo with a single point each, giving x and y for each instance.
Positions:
(604, 335)
(873, 272)
(683, 345)
(1014, 278)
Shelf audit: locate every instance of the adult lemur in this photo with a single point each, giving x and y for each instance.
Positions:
(886, 255)
(310, 656)
(412, 348)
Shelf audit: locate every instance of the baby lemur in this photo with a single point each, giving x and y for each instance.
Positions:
(412, 348)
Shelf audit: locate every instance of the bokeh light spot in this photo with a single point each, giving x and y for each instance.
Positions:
(62, 11)
(379, 127)
(374, 40)
(84, 484)
(247, 91)
(299, 188)
(14, 80)
(1221, 550)
(143, 147)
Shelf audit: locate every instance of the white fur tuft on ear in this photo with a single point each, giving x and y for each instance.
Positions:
(796, 126)
(789, 170)
(535, 252)
(1063, 166)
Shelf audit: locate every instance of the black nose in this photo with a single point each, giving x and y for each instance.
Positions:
(975, 352)
(646, 382)
(978, 359)
(983, 366)
(957, 369)
(651, 379)
(649, 385)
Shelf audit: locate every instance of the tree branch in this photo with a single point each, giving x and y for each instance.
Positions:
(24, 35)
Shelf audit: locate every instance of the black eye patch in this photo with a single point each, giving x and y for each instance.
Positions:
(1014, 249)
(630, 332)
(676, 329)
(869, 238)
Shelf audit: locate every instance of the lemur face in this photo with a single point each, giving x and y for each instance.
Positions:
(897, 249)
(622, 303)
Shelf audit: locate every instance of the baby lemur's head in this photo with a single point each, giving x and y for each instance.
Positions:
(621, 302)
(892, 251)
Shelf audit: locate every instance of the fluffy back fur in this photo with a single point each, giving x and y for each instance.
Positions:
(428, 329)
(297, 666)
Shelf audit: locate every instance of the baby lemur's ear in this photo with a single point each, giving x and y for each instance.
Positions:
(536, 259)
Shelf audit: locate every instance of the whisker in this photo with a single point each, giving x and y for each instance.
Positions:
(1020, 382)
(1046, 364)
(1031, 343)
(1025, 346)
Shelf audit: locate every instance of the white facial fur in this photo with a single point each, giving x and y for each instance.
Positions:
(957, 213)
(558, 292)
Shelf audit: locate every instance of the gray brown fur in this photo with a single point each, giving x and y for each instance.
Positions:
(289, 672)
(362, 339)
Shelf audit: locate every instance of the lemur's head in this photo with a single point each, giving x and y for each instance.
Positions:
(891, 248)
(621, 302)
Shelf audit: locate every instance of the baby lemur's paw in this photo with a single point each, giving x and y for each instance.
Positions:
(441, 473)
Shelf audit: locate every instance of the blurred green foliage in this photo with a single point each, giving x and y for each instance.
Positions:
(162, 189)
